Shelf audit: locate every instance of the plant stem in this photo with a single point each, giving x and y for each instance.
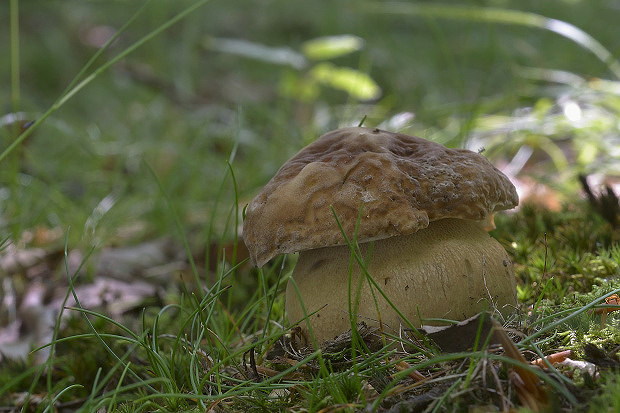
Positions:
(14, 23)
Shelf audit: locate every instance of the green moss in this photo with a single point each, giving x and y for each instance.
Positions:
(574, 248)
(607, 398)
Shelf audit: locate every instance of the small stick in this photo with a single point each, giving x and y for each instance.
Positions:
(553, 359)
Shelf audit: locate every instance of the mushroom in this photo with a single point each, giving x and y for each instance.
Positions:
(415, 211)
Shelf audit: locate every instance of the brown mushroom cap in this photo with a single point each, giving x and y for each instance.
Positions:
(402, 182)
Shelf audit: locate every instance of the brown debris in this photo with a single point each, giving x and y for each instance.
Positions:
(605, 204)
(529, 388)
(552, 359)
(601, 358)
(462, 336)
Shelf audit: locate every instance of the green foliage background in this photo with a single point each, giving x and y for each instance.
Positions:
(184, 106)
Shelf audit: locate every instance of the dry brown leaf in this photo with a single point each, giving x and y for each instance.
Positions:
(528, 386)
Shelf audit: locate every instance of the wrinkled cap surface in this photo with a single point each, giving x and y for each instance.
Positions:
(399, 182)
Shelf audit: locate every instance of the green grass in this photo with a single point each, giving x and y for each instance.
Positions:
(159, 132)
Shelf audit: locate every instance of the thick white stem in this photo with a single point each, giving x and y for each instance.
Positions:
(453, 269)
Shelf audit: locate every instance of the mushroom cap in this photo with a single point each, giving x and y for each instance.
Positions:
(399, 182)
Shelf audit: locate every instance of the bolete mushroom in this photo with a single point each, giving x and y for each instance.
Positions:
(421, 231)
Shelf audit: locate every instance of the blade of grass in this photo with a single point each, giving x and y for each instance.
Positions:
(13, 166)
(33, 372)
(501, 16)
(179, 225)
(218, 197)
(88, 79)
(544, 273)
(71, 290)
(73, 386)
(114, 397)
(360, 261)
(15, 75)
(270, 299)
(568, 317)
(47, 366)
(445, 395)
(477, 346)
(233, 259)
(103, 48)
(555, 385)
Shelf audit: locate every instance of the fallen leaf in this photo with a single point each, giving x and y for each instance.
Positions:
(462, 336)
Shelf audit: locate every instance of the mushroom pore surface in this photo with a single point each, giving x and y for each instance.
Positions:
(452, 269)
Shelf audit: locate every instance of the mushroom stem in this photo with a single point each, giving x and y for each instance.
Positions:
(452, 269)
